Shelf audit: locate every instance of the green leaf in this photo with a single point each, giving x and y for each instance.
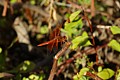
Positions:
(0, 50)
(114, 45)
(44, 29)
(32, 2)
(99, 68)
(13, 1)
(74, 24)
(74, 15)
(80, 40)
(106, 73)
(24, 67)
(83, 70)
(77, 41)
(115, 29)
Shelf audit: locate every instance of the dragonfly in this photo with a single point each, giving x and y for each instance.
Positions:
(54, 38)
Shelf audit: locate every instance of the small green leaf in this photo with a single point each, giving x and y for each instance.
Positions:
(44, 29)
(106, 73)
(32, 2)
(114, 45)
(74, 15)
(34, 77)
(115, 29)
(24, 67)
(0, 50)
(99, 68)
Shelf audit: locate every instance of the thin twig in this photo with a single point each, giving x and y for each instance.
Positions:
(31, 7)
(93, 40)
(59, 54)
(5, 7)
(92, 8)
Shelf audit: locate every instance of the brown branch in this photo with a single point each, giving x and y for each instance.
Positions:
(87, 52)
(92, 75)
(91, 30)
(92, 8)
(59, 54)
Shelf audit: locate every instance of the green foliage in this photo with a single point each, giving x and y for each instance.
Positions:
(24, 67)
(80, 78)
(73, 27)
(44, 29)
(32, 2)
(80, 41)
(99, 68)
(74, 15)
(34, 77)
(115, 29)
(13, 1)
(114, 45)
(0, 50)
(84, 1)
(102, 73)
(80, 75)
(106, 73)
(118, 75)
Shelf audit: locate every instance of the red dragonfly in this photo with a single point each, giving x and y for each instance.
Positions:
(55, 38)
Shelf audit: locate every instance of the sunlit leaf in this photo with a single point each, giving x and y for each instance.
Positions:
(114, 45)
(83, 70)
(99, 68)
(0, 49)
(13, 1)
(74, 15)
(106, 73)
(33, 76)
(115, 29)
(44, 29)
(32, 2)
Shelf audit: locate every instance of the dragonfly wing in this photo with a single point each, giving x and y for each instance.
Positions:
(51, 45)
(46, 43)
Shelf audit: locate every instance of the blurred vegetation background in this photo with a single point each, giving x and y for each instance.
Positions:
(26, 23)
